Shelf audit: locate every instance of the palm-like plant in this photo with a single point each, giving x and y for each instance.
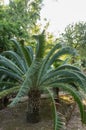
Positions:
(40, 75)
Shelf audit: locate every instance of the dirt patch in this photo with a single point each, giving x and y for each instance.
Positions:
(15, 118)
(75, 121)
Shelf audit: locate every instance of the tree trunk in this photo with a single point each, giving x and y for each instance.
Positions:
(33, 113)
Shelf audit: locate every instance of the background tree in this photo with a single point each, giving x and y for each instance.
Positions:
(18, 19)
(75, 36)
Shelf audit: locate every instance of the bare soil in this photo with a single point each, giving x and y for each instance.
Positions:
(75, 121)
(15, 118)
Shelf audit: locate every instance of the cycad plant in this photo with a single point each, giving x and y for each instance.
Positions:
(41, 75)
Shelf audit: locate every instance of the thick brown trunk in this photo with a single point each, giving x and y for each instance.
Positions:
(33, 113)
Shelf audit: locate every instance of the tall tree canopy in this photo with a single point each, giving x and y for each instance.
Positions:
(18, 19)
(75, 36)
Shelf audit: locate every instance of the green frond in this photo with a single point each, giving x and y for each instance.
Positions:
(65, 61)
(44, 66)
(68, 66)
(40, 47)
(11, 65)
(18, 60)
(63, 76)
(66, 80)
(10, 74)
(9, 91)
(28, 82)
(58, 122)
(61, 52)
(17, 46)
(22, 92)
(76, 95)
(26, 55)
(31, 53)
(82, 75)
(6, 83)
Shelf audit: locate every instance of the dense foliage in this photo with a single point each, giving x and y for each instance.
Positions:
(18, 19)
(75, 36)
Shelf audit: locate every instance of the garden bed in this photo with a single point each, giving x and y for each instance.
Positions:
(15, 118)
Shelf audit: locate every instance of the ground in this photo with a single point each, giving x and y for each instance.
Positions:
(15, 118)
(75, 121)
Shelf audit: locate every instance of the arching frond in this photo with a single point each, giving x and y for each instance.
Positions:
(16, 58)
(44, 64)
(9, 91)
(58, 121)
(26, 55)
(68, 66)
(31, 52)
(7, 83)
(61, 52)
(28, 82)
(17, 46)
(76, 96)
(63, 76)
(10, 74)
(11, 65)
